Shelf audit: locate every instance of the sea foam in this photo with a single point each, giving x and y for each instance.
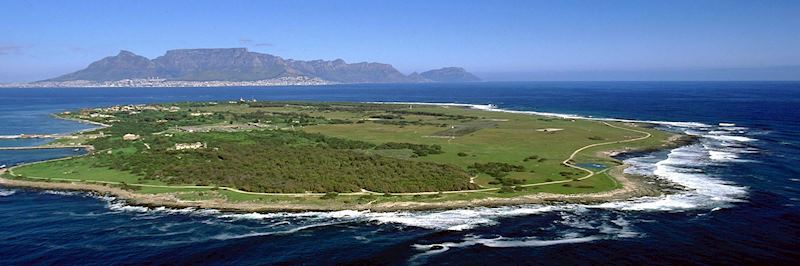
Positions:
(6, 193)
(574, 226)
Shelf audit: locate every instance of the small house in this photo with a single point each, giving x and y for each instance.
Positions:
(130, 137)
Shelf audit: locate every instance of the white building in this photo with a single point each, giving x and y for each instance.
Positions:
(130, 137)
(189, 146)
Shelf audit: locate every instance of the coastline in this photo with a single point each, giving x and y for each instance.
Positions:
(631, 187)
(100, 125)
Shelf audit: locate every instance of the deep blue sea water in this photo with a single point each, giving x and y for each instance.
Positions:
(742, 206)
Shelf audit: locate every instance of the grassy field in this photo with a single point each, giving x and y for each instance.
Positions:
(534, 147)
(80, 169)
(512, 140)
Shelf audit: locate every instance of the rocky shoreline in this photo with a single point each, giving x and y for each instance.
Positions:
(632, 187)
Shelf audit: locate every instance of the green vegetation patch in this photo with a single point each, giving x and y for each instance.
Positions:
(279, 161)
(465, 129)
(339, 148)
(417, 149)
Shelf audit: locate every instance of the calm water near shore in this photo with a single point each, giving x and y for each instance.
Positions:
(741, 206)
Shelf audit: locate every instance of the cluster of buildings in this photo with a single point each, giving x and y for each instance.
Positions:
(130, 109)
(178, 146)
(189, 146)
(156, 82)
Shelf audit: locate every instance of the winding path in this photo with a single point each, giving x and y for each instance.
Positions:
(567, 162)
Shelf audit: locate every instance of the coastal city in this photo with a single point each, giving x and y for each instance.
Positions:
(164, 83)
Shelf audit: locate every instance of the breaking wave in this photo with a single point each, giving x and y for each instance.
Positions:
(6, 193)
(61, 192)
(116, 205)
(491, 107)
(573, 227)
(455, 220)
(685, 166)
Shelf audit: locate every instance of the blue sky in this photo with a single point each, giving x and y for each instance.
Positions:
(516, 40)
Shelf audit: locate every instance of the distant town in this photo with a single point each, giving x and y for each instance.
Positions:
(159, 82)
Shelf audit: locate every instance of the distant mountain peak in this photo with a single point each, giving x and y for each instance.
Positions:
(126, 53)
(208, 50)
(239, 64)
(449, 74)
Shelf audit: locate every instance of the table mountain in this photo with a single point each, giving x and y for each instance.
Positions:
(239, 64)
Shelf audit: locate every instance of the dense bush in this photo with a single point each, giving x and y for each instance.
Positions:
(506, 181)
(506, 189)
(418, 149)
(495, 169)
(280, 161)
(386, 116)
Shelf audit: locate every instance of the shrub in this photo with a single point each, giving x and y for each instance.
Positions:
(506, 189)
(507, 181)
(386, 116)
(495, 169)
(418, 149)
(329, 196)
(531, 158)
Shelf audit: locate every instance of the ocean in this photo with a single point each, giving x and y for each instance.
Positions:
(741, 205)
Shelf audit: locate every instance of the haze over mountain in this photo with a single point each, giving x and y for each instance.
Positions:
(449, 74)
(239, 64)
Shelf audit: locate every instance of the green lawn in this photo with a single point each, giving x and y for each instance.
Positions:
(80, 169)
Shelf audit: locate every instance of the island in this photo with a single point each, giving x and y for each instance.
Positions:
(248, 155)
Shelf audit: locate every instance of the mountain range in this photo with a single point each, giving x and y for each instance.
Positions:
(239, 64)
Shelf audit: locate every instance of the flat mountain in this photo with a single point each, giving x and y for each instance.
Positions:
(239, 64)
